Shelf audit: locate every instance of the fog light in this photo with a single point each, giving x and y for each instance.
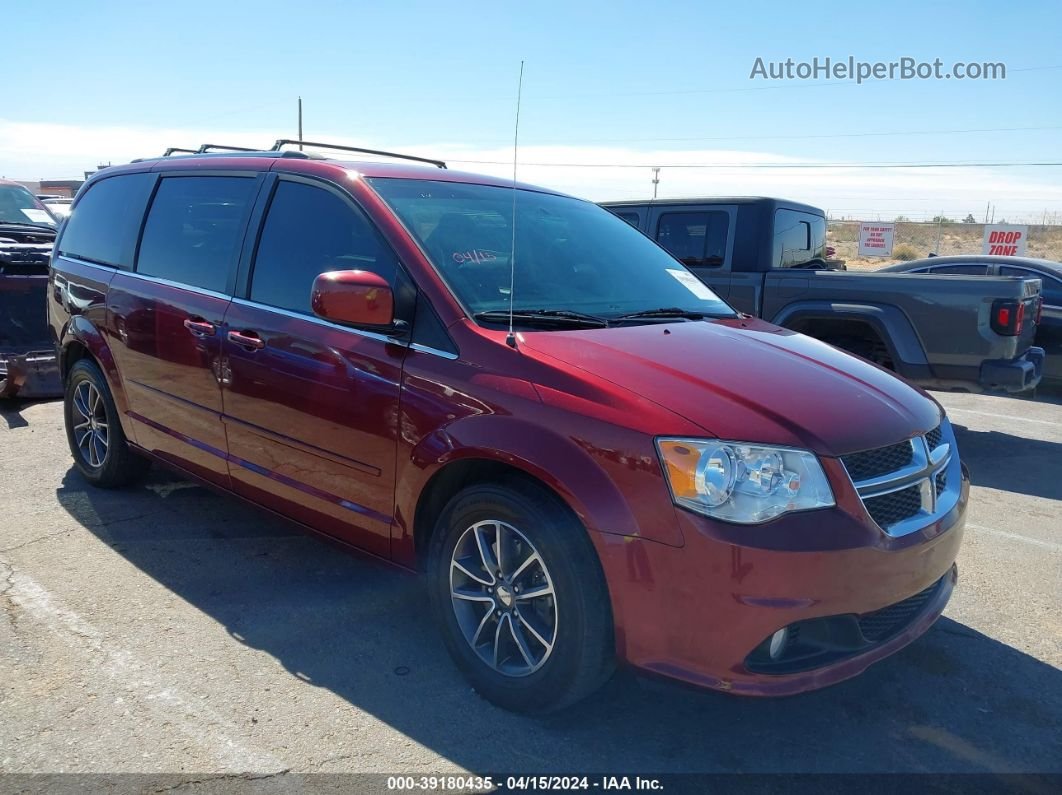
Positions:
(777, 645)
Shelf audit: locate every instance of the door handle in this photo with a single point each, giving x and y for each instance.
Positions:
(247, 339)
(199, 327)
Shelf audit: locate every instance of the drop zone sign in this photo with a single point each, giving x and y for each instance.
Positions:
(875, 240)
(1007, 240)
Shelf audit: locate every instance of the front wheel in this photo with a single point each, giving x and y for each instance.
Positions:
(519, 593)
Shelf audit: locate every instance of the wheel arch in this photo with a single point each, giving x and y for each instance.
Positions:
(468, 452)
(81, 339)
(888, 323)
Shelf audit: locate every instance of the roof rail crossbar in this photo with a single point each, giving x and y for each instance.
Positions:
(173, 149)
(290, 142)
(207, 147)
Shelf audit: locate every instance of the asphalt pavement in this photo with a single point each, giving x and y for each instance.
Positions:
(165, 628)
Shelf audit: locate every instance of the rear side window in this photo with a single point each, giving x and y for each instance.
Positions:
(104, 227)
(799, 239)
(695, 239)
(309, 231)
(1051, 288)
(970, 269)
(194, 230)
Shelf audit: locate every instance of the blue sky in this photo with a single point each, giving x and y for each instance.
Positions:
(615, 82)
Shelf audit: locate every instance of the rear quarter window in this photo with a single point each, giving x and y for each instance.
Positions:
(971, 269)
(1050, 288)
(106, 221)
(799, 239)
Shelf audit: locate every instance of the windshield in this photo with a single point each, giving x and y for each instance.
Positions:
(571, 255)
(19, 206)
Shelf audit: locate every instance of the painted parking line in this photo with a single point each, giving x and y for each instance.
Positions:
(1014, 418)
(182, 712)
(1016, 537)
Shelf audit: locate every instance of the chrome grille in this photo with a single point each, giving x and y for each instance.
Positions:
(933, 438)
(874, 463)
(888, 509)
(905, 486)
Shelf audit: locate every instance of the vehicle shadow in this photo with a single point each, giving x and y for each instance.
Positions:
(1011, 463)
(11, 411)
(956, 700)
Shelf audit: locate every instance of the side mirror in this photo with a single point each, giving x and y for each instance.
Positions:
(356, 298)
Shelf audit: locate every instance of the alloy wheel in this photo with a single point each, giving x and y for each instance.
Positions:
(91, 434)
(503, 598)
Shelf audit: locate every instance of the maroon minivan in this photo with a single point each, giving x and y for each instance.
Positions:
(593, 458)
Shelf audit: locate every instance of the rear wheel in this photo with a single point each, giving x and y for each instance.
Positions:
(94, 431)
(519, 593)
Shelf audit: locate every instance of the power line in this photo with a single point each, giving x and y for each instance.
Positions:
(954, 164)
(806, 137)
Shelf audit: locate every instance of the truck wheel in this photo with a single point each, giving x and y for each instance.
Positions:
(94, 431)
(520, 596)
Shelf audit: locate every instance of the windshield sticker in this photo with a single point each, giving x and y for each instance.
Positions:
(693, 284)
(38, 216)
(474, 255)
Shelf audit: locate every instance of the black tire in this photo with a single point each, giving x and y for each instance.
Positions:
(109, 466)
(582, 656)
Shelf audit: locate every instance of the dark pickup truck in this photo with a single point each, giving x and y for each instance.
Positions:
(767, 257)
(28, 366)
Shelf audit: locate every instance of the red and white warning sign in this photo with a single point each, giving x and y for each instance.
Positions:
(1007, 240)
(875, 239)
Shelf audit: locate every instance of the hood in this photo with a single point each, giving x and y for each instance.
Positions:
(746, 380)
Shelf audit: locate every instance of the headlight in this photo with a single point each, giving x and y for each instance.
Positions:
(742, 483)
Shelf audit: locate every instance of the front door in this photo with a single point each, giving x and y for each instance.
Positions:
(168, 318)
(311, 407)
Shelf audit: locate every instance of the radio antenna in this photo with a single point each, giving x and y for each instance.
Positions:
(510, 340)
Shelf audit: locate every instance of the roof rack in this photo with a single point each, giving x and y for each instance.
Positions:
(173, 149)
(290, 141)
(207, 147)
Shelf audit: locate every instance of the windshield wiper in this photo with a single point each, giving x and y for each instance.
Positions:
(553, 317)
(671, 311)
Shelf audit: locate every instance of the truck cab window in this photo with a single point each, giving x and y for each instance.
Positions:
(696, 239)
(799, 239)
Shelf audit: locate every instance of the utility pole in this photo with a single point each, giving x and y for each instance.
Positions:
(988, 206)
(656, 180)
(300, 124)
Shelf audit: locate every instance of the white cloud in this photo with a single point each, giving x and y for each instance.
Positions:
(34, 150)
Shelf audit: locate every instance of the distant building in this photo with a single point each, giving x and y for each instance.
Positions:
(59, 187)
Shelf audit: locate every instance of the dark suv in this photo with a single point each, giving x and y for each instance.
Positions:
(592, 456)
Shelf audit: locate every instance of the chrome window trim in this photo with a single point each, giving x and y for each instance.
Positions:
(87, 264)
(416, 346)
(178, 285)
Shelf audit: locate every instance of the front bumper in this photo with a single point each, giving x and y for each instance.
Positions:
(701, 612)
(1014, 375)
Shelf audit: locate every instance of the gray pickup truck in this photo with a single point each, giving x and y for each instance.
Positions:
(767, 257)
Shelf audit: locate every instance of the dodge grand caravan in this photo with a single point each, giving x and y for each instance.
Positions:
(592, 457)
